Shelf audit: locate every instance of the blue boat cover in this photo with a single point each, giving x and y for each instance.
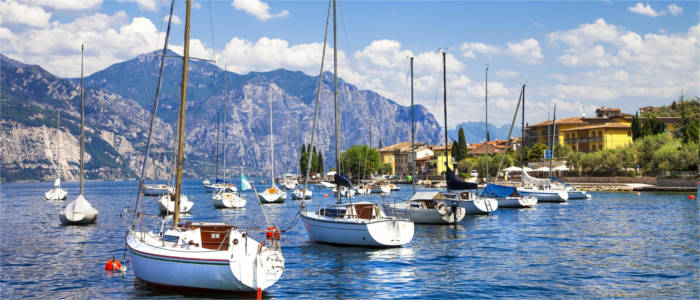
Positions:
(499, 191)
(557, 180)
(453, 183)
(341, 180)
(219, 180)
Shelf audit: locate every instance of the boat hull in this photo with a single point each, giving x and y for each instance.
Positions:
(546, 196)
(299, 195)
(480, 206)
(578, 195)
(78, 218)
(517, 202)
(165, 205)
(154, 190)
(379, 233)
(429, 216)
(56, 194)
(228, 200)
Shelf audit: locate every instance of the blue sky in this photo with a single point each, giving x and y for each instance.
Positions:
(578, 54)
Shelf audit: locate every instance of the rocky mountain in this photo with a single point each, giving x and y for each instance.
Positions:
(474, 132)
(119, 100)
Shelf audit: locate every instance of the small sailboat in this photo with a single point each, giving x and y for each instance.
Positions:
(156, 189)
(394, 187)
(345, 191)
(289, 181)
(326, 184)
(507, 196)
(273, 193)
(57, 193)
(364, 189)
(355, 224)
(200, 255)
(381, 187)
(218, 182)
(166, 203)
(542, 189)
(79, 211)
(426, 207)
(223, 199)
(301, 194)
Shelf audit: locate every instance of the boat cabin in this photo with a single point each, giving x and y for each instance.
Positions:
(361, 210)
(213, 236)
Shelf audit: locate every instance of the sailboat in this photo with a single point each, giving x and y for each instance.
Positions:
(472, 202)
(57, 193)
(507, 196)
(79, 211)
(542, 189)
(227, 197)
(200, 255)
(218, 183)
(355, 224)
(156, 189)
(273, 193)
(426, 207)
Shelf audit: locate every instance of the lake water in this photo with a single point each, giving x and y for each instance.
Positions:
(615, 245)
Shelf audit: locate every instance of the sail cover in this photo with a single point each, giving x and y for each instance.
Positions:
(341, 180)
(559, 181)
(532, 180)
(499, 191)
(453, 183)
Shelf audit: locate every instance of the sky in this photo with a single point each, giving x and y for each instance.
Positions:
(579, 55)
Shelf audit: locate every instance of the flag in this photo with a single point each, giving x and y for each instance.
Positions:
(245, 185)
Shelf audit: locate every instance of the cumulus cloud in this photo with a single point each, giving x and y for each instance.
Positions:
(150, 5)
(67, 4)
(674, 9)
(258, 9)
(527, 50)
(176, 19)
(12, 12)
(644, 9)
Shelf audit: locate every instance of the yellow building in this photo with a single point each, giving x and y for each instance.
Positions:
(437, 163)
(391, 153)
(597, 137)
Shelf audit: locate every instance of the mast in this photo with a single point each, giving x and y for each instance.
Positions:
(413, 149)
(58, 155)
(82, 121)
(216, 143)
(522, 140)
(486, 102)
(335, 100)
(444, 94)
(554, 130)
(272, 145)
(225, 132)
(181, 128)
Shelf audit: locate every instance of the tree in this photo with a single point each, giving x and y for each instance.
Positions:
(314, 159)
(303, 161)
(465, 166)
(350, 157)
(653, 126)
(320, 163)
(461, 145)
(380, 144)
(636, 127)
(537, 152)
(455, 151)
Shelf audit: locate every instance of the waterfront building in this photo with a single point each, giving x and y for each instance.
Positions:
(390, 153)
(441, 154)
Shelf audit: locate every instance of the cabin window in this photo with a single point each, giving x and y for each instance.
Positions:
(171, 238)
(215, 235)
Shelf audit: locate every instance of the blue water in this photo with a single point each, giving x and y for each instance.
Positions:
(615, 245)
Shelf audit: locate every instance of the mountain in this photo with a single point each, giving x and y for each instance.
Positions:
(474, 132)
(119, 100)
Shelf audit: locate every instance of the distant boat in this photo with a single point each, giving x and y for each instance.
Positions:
(572, 191)
(301, 194)
(381, 187)
(57, 193)
(508, 196)
(156, 189)
(289, 181)
(327, 184)
(273, 193)
(201, 256)
(79, 211)
(345, 191)
(542, 189)
(355, 224)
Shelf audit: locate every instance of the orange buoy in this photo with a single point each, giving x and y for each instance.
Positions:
(113, 265)
(325, 195)
(691, 197)
(259, 296)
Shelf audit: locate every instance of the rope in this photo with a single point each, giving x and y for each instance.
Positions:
(267, 220)
(515, 116)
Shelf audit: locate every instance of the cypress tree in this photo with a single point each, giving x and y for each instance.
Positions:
(636, 127)
(455, 151)
(461, 145)
(320, 162)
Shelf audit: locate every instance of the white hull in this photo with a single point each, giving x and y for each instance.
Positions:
(385, 232)
(421, 215)
(228, 200)
(364, 190)
(243, 267)
(299, 195)
(166, 205)
(327, 184)
(55, 194)
(384, 188)
(271, 195)
(517, 202)
(78, 212)
(155, 189)
(215, 187)
(480, 206)
(394, 187)
(557, 196)
(344, 192)
(575, 194)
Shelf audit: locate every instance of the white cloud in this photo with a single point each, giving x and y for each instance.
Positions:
(12, 12)
(644, 9)
(176, 19)
(675, 9)
(258, 9)
(150, 5)
(67, 4)
(527, 50)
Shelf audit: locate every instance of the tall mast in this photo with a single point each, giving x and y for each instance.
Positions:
(554, 130)
(413, 149)
(486, 103)
(444, 94)
(216, 146)
(272, 145)
(82, 121)
(225, 132)
(58, 155)
(335, 100)
(522, 140)
(181, 128)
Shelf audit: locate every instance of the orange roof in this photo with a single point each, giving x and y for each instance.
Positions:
(569, 120)
(606, 125)
(481, 149)
(441, 147)
(608, 109)
(395, 147)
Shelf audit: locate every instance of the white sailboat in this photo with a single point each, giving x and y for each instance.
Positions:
(425, 207)
(301, 194)
(356, 224)
(381, 187)
(289, 181)
(273, 193)
(542, 189)
(79, 211)
(57, 193)
(344, 191)
(199, 255)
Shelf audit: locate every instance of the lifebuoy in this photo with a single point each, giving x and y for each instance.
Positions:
(441, 208)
